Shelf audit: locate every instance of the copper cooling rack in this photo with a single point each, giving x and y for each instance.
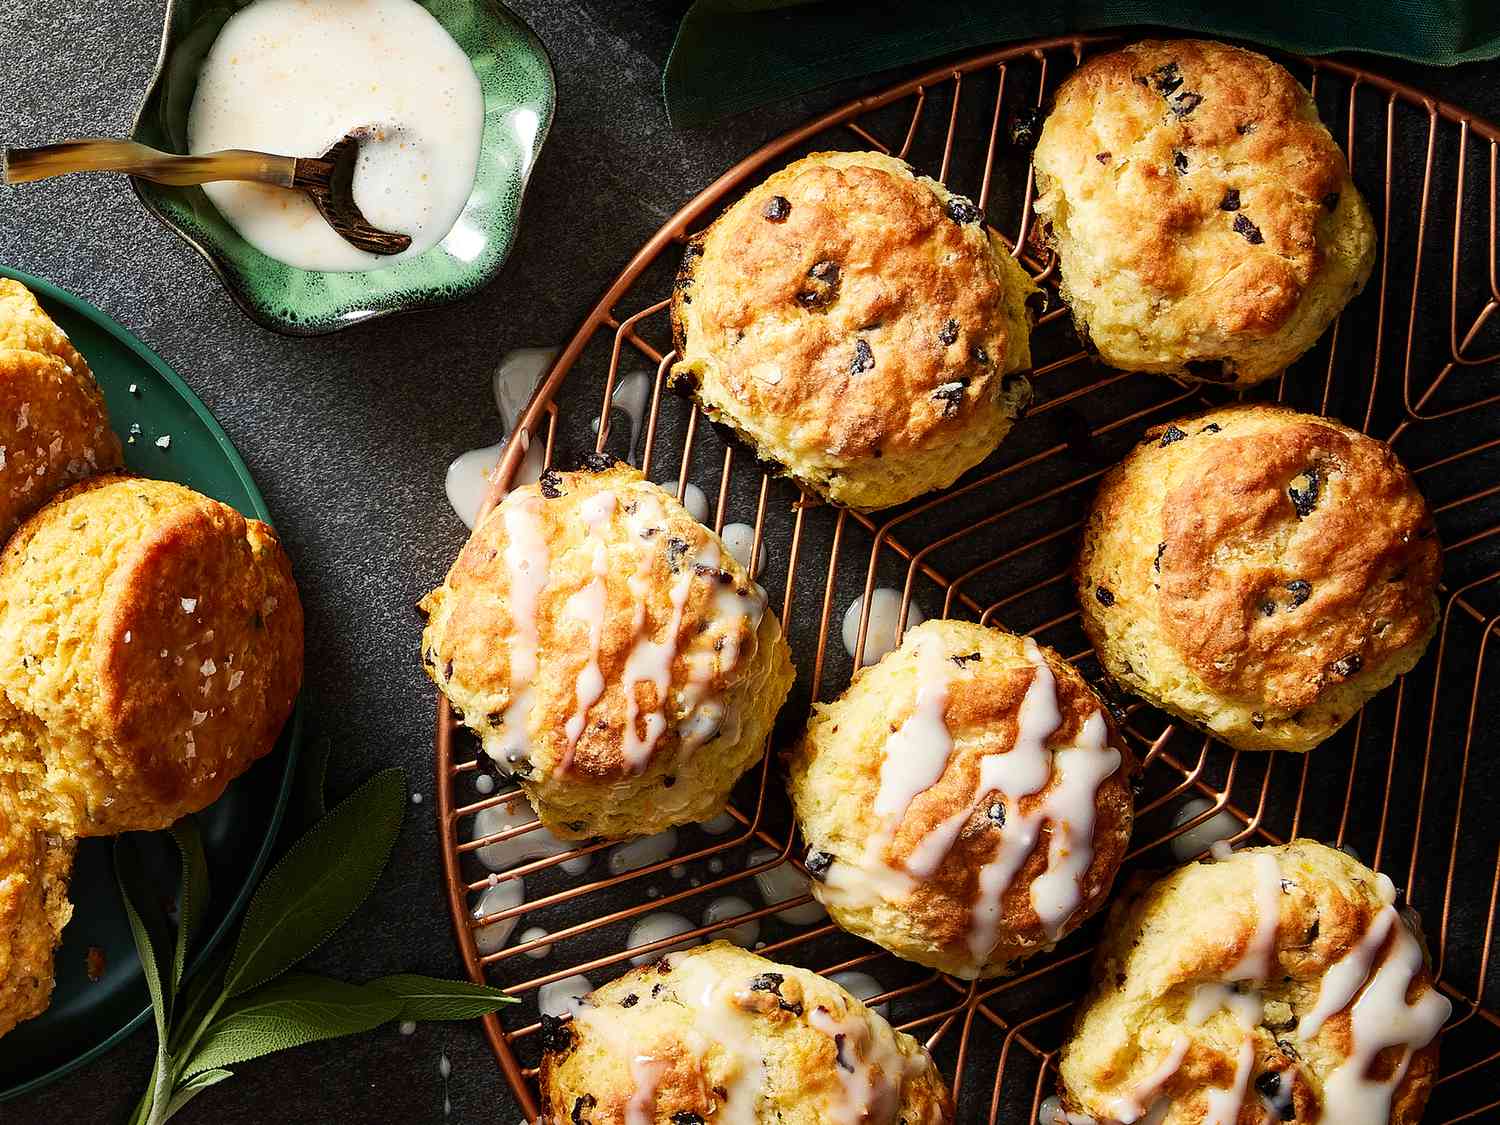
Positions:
(1408, 785)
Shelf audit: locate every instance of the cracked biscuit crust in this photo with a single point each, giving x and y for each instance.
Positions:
(855, 324)
(1259, 572)
(1205, 220)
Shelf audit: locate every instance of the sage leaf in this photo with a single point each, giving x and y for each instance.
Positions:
(427, 998)
(319, 883)
(195, 1086)
(135, 886)
(297, 1009)
(193, 900)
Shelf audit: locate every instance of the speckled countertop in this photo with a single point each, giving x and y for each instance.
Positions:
(349, 436)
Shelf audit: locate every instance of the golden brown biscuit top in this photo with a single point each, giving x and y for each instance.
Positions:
(53, 430)
(1203, 170)
(858, 305)
(26, 326)
(153, 629)
(1294, 551)
(1276, 978)
(992, 740)
(34, 869)
(718, 1033)
(592, 626)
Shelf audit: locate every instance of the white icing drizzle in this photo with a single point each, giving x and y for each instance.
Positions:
(588, 606)
(1081, 769)
(1246, 1007)
(917, 755)
(722, 1025)
(1024, 770)
(651, 661)
(880, 633)
(1380, 1019)
(647, 1073)
(565, 997)
(526, 562)
(506, 895)
(731, 906)
(654, 928)
(1224, 1105)
(1129, 1108)
(1258, 961)
(869, 1065)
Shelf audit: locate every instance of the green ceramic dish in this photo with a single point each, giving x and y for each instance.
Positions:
(519, 94)
(88, 1017)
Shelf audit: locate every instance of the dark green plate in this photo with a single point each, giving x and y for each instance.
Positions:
(519, 94)
(89, 1017)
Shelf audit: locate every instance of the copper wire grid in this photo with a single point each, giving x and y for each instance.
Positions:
(1405, 784)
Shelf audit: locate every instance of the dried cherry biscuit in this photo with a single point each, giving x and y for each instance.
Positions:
(1260, 573)
(151, 648)
(1205, 222)
(719, 1034)
(610, 651)
(1277, 984)
(858, 326)
(966, 802)
(34, 907)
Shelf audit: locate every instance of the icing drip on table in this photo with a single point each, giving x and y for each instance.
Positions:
(526, 563)
(880, 631)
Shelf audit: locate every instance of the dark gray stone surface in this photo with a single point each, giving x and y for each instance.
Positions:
(349, 437)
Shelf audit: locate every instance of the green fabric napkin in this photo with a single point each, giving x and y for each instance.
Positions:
(733, 55)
